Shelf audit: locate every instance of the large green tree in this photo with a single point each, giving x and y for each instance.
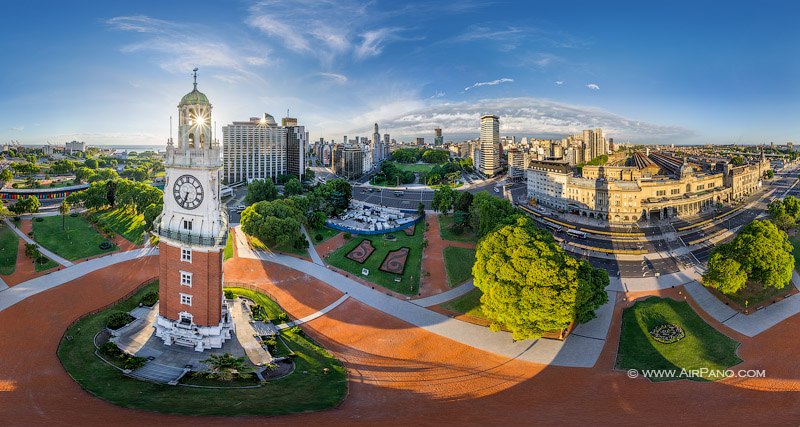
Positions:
(487, 212)
(292, 187)
(30, 204)
(760, 252)
(444, 198)
(530, 285)
(260, 190)
(275, 223)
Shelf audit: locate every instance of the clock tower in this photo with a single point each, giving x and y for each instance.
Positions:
(192, 230)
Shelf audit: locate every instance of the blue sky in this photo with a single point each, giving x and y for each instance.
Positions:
(667, 72)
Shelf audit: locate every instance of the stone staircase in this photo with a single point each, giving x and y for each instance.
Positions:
(158, 373)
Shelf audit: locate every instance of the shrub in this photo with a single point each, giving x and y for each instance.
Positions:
(17, 219)
(39, 219)
(283, 317)
(318, 237)
(296, 330)
(42, 260)
(271, 343)
(32, 251)
(150, 299)
(111, 350)
(134, 363)
(118, 320)
(347, 236)
(229, 294)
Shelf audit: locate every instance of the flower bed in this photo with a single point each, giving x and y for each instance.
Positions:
(667, 333)
(395, 261)
(361, 252)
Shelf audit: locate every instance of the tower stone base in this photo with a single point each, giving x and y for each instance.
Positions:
(198, 337)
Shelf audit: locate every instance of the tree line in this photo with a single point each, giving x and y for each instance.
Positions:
(276, 220)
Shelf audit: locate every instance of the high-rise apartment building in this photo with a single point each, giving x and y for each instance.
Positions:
(438, 140)
(260, 149)
(296, 138)
(490, 145)
(377, 146)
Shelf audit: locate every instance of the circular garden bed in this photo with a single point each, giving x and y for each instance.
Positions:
(667, 333)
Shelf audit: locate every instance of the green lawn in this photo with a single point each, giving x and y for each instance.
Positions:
(703, 347)
(307, 389)
(469, 304)
(228, 252)
(409, 282)
(258, 244)
(458, 263)
(45, 266)
(123, 222)
(78, 240)
(9, 243)
(415, 167)
(271, 307)
(445, 222)
(326, 233)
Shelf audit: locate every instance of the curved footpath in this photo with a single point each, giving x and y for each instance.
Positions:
(580, 349)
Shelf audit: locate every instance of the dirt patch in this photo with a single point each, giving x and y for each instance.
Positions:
(395, 261)
(361, 252)
(410, 230)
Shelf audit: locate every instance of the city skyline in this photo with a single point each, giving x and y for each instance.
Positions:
(107, 73)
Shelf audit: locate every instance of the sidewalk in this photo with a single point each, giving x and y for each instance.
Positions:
(576, 351)
(63, 261)
(746, 324)
(32, 287)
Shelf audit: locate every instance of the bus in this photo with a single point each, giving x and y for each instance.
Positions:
(576, 233)
(555, 228)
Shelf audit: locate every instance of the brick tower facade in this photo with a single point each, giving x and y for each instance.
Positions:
(192, 230)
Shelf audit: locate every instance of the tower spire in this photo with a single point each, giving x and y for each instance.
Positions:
(195, 77)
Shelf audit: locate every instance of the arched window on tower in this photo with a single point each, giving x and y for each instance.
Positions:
(202, 141)
(191, 140)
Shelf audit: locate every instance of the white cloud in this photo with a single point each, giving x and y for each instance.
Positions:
(438, 94)
(179, 47)
(491, 83)
(593, 86)
(372, 42)
(17, 128)
(335, 77)
(531, 116)
(559, 82)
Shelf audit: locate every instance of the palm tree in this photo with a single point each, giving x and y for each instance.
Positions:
(64, 210)
(225, 367)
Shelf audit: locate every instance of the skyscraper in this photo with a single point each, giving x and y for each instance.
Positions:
(377, 146)
(438, 140)
(490, 145)
(255, 149)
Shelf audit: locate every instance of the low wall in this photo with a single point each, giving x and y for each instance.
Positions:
(372, 232)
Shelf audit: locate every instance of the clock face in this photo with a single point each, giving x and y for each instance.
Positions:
(188, 192)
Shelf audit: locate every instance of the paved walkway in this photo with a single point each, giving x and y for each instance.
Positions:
(576, 351)
(443, 297)
(245, 334)
(314, 315)
(664, 281)
(24, 290)
(746, 324)
(311, 249)
(63, 261)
